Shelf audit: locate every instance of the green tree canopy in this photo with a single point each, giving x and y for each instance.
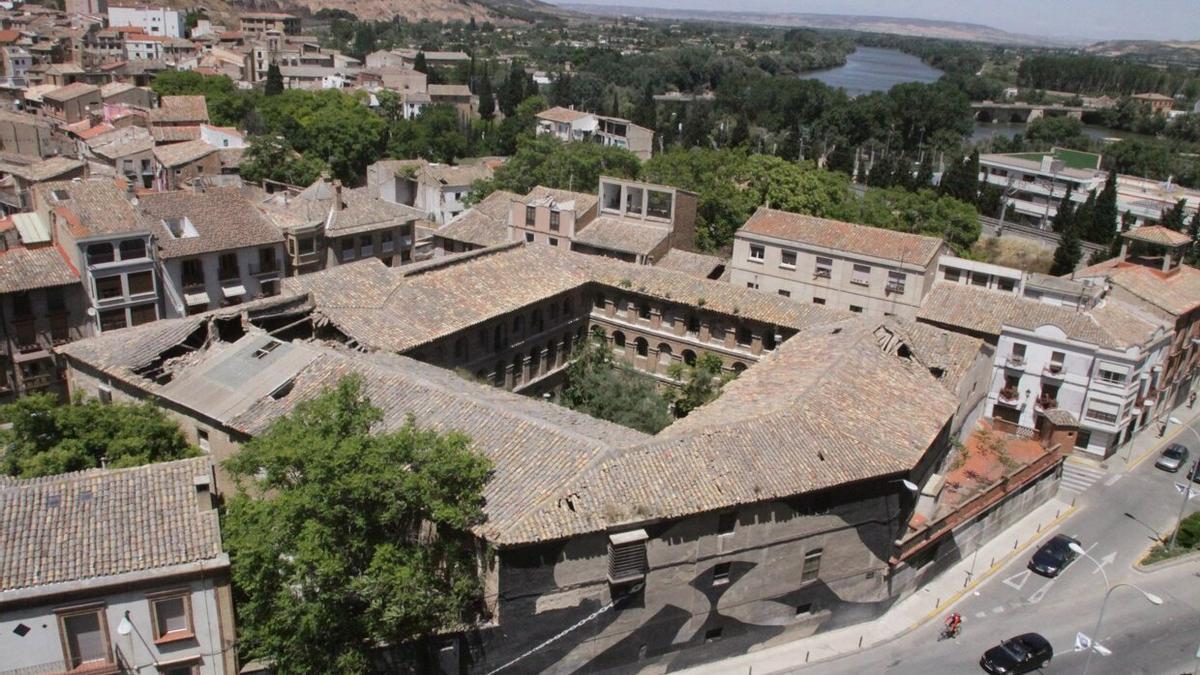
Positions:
(47, 438)
(544, 160)
(274, 84)
(433, 135)
(1068, 253)
(600, 386)
(922, 212)
(351, 538)
(701, 383)
(273, 158)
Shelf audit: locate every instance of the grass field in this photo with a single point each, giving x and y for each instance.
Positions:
(1073, 159)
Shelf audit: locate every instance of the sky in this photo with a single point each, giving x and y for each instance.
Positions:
(1076, 19)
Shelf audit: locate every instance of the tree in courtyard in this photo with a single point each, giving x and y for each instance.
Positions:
(604, 388)
(353, 537)
(701, 383)
(1103, 226)
(273, 158)
(47, 438)
(1064, 216)
(487, 100)
(274, 84)
(1068, 253)
(419, 64)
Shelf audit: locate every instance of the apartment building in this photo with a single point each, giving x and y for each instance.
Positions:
(1061, 291)
(566, 125)
(106, 571)
(177, 164)
(16, 61)
(1099, 365)
(262, 23)
(1158, 104)
(438, 190)
(484, 224)
(549, 216)
(214, 249)
(841, 265)
(32, 136)
(151, 20)
(42, 306)
(72, 103)
(93, 222)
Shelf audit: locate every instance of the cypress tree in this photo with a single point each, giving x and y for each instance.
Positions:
(1064, 217)
(1174, 218)
(1104, 218)
(1068, 253)
(274, 84)
(487, 102)
(419, 63)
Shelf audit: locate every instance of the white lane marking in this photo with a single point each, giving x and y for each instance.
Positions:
(1114, 479)
(997, 610)
(980, 615)
(1041, 592)
(1105, 561)
(1018, 580)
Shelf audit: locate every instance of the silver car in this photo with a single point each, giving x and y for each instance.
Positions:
(1171, 459)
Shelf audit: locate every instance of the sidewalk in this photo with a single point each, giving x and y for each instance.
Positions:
(929, 602)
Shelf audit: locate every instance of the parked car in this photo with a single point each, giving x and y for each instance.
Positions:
(1054, 556)
(1196, 472)
(1171, 459)
(1021, 654)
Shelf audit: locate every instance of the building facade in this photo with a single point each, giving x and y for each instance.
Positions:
(151, 20)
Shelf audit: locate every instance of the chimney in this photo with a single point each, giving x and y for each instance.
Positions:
(337, 195)
(204, 493)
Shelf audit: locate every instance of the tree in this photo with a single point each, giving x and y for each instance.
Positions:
(351, 539)
(645, 112)
(599, 386)
(701, 383)
(273, 158)
(924, 177)
(1068, 253)
(1103, 226)
(961, 180)
(1084, 215)
(922, 212)
(47, 438)
(545, 160)
(1064, 216)
(274, 84)
(1175, 216)
(487, 102)
(419, 64)
(433, 135)
(1193, 252)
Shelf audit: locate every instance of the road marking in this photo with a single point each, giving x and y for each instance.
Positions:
(1040, 593)
(980, 615)
(1111, 481)
(1023, 576)
(1105, 561)
(1192, 494)
(997, 610)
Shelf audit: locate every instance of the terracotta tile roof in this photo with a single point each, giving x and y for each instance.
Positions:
(222, 218)
(1175, 293)
(561, 114)
(23, 269)
(951, 353)
(71, 91)
(102, 128)
(625, 235)
(178, 109)
(984, 311)
(697, 265)
(579, 202)
(97, 206)
(876, 242)
(362, 212)
(43, 170)
(449, 90)
(485, 224)
(1157, 234)
(98, 523)
(178, 154)
(175, 134)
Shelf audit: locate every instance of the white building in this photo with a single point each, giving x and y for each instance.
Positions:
(152, 20)
(1097, 365)
(1042, 287)
(438, 190)
(575, 125)
(115, 571)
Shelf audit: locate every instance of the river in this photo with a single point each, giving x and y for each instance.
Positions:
(870, 69)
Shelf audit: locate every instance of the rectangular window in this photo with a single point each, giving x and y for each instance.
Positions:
(861, 276)
(553, 241)
(109, 287)
(856, 309)
(812, 565)
(1006, 284)
(1083, 439)
(347, 245)
(896, 282)
(1101, 416)
(787, 259)
(1056, 362)
(140, 282)
(727, 522)
(227, 266)
(806, 608)
(366, 246)
(1018, 354)
(202, 439)
(720, 574)
(818, 301)
(307, 245)
(752, 285)
(554, 216)
(979, 279)
(950, 275)
(785, 293)
(387, 242)
(530, 216)
(112, 319)
(143, 314)
(171, 617)
(529, 237)
(84, 637)
(824, 268)
(1110, 376)
(757, 253)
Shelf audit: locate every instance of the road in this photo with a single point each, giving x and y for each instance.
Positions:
(1119, 517)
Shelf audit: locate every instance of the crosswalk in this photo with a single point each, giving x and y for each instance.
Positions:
(1078, 477)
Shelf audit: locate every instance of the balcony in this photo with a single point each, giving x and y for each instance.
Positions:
(896, 287)
(266, 267)
(1015, 361)
(25, 336)
(193, 284)
(1054, 371)
(822, 273)
(39, 381)
(60, 328)
(1045, 402)
(1010, 396)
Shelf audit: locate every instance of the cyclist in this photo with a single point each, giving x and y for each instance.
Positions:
(953, 624)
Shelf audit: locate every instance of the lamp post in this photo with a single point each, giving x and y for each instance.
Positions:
(1150, 597)
(1187, 484)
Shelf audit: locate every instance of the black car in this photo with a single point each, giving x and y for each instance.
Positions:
(1196, 472)
(1054, 556)
(1022, 654)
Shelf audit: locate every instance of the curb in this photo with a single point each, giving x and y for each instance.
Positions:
(1070, 510)
(1163, 564)
(1167, 438)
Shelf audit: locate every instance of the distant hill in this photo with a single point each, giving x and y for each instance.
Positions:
(1182, 53)
(496, 11)
(949, 30)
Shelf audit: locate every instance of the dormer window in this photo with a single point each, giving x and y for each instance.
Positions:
(180, 228)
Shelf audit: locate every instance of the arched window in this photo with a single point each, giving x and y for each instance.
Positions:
(498, 337)
(644, 311)
(498, 376)
(567, 309)
(460, 348)
(599, 301)
(518, 324)
(689, 357)
(643, 347)
(664, 353)
(618, 339)
(693, 324)
(534, 362)
(537, 322)
(518, 364)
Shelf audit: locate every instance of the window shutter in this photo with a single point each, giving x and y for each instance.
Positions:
(627, 556)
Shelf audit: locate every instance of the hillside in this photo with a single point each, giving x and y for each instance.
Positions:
(1181, 53)
(496, 11)
(947, 30)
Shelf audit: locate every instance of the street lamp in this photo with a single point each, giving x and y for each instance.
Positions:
(1187, 485)
(1150, 597)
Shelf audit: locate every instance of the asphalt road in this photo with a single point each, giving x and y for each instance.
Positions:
(1120, 517)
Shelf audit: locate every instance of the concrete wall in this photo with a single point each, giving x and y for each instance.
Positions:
(210, 262)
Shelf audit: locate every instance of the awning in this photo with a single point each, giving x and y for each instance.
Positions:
(193, 299)
(234, 291)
